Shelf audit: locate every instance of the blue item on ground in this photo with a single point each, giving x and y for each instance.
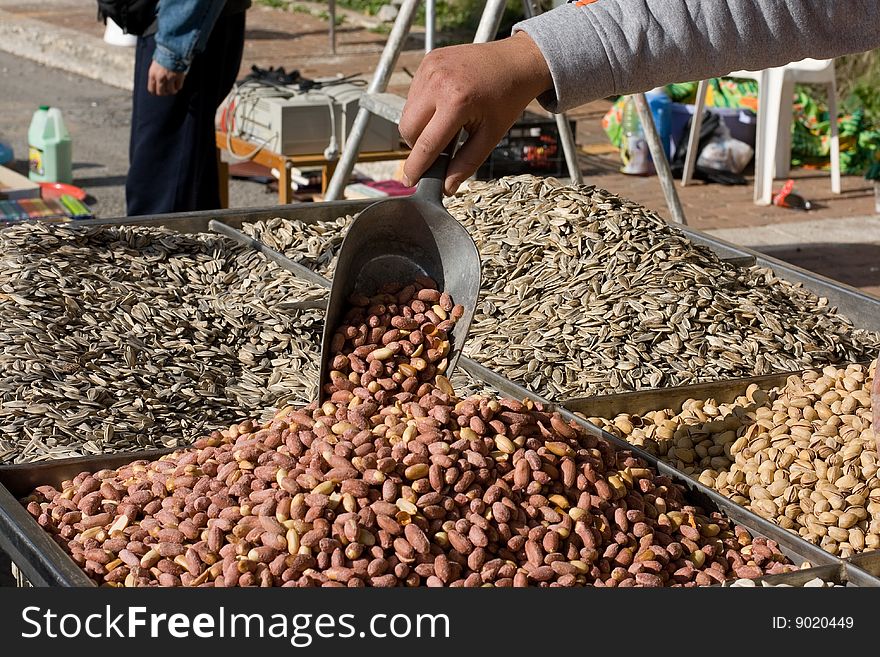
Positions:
(661, 107)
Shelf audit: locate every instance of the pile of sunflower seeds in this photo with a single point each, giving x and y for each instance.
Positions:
(585, 292)
(120, 338)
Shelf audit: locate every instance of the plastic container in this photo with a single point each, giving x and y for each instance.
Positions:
(50, 151)
(6, 154)
(661, 110)
(114, 35)
(635, 154)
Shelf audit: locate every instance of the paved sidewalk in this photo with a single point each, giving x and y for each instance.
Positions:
(65, 34)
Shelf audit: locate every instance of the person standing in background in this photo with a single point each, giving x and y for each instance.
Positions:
(185, 65)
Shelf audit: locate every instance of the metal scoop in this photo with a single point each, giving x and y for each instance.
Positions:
(396, 240)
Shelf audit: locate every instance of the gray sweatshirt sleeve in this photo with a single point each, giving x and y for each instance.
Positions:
(625, 46)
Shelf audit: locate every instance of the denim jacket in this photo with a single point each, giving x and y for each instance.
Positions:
(184, 27)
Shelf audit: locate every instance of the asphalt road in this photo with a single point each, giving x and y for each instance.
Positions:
(98, 118)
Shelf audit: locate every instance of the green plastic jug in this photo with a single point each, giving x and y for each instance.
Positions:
(50, 151)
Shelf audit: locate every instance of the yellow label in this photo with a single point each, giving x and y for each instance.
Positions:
(35, 160)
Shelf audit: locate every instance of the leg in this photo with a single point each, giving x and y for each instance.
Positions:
(782, 160)
(667, 182)
(835, 137)
(769, 96)
(430, 25)
(326, 174)
(285, 193)
(217, 69)
(387, 62)
(154, 157)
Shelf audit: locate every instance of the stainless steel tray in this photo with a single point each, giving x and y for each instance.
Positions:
(843, 573)
(643, 401)
(866, 561)
(39, 560)
(42, 562)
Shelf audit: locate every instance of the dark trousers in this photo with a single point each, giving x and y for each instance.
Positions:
(172, 151)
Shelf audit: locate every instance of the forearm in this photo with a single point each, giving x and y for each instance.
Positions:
(624, 46)
(183, 30)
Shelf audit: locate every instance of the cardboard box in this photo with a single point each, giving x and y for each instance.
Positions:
(15, 186)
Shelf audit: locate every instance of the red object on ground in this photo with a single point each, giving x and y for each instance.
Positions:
(391, 187)
(54, 190)
(785, 198)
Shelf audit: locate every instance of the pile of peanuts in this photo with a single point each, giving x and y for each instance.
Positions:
(394, 481)
(802, 455)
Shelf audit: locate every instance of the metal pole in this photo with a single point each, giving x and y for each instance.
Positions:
(379, 83)
(569, 148)
(660, 161)
(566, 138)
(430, 24)
(690, 158)
(490, 21)
(332, 11)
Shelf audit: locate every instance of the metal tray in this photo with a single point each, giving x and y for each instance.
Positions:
(41, 562)
(640, 402)
(842, 573)
(866, 561)
(795, 547)
(643, 401)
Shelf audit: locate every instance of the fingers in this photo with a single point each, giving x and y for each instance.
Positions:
(416, 114)
(440, 130)
(162, 82)
(472, 154)
(177, 82)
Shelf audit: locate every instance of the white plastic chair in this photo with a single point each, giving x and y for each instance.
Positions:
(773, 139)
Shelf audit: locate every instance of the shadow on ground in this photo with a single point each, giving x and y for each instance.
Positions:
(854, 264)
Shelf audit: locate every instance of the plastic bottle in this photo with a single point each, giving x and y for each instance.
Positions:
(635, 154)
(661, 110)
(50, 151)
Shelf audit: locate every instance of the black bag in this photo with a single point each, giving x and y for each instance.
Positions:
(711, 122)
(133, 16)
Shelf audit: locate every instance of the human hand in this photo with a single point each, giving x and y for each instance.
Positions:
(482, 88)
(164, 82)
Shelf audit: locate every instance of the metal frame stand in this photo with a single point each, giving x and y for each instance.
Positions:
(375, 101)
(661, 163)
(430, 24)
(331, 10)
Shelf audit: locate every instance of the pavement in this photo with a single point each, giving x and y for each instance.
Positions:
(69, 64)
